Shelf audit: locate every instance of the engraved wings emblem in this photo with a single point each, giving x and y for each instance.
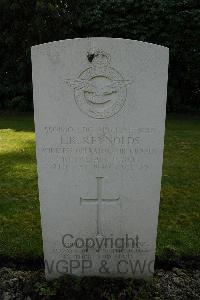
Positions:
(99, 93)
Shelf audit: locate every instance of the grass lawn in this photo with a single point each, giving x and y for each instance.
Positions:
(179, 219)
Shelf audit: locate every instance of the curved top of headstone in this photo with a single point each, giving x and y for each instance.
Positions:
(99, 39)
(96, 68)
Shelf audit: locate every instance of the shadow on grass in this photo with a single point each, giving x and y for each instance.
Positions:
(18, 165)
(17, 123)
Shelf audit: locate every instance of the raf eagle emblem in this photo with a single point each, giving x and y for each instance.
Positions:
(100, 91)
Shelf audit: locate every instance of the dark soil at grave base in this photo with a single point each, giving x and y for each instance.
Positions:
(177, 283)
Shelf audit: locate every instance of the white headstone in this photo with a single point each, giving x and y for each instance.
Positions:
(99, 116)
